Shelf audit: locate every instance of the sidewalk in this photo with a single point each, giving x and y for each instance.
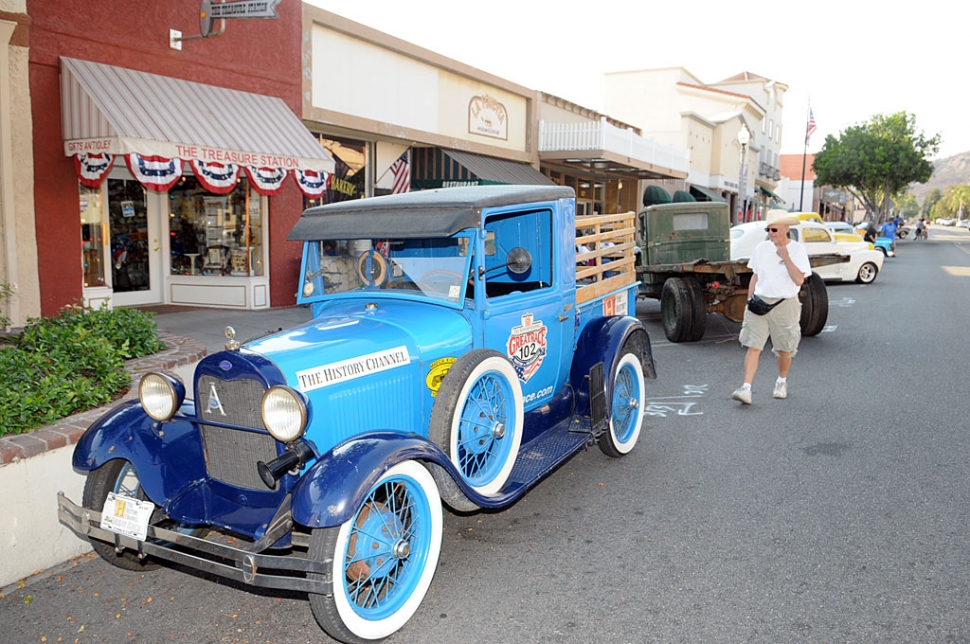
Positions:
(208, 325)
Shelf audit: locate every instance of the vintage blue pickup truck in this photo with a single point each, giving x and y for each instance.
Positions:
(465, 342)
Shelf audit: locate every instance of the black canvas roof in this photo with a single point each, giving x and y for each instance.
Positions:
(426, 213)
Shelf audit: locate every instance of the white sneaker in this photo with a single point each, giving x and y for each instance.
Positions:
(743, 395)
(781, 389)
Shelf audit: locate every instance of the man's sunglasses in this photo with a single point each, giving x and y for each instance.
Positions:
(772, 230)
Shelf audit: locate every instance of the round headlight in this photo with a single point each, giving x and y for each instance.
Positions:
(160, 395)
(284, 413)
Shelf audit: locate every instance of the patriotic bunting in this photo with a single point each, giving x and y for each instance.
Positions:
(266, 181)
(153, 172)
(217, 178)
(312, 183)
(160, 174)
(93, 167)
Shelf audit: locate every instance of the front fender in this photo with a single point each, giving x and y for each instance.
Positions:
(332, 489)
(164, 456)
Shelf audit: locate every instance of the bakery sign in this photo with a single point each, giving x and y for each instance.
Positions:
(488, 117)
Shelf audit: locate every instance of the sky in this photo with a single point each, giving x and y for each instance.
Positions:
(851, 59)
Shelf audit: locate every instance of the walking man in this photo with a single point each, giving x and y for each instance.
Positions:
(780, 268)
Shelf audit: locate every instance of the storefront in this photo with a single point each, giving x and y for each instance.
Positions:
(607, 162)
(175, 180)
(419, 120)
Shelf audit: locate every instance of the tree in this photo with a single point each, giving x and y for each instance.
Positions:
(934, 195)
(907, 206)
(875, 161)
(954, 203)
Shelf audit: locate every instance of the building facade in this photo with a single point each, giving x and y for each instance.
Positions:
(607, 162)
(676, 108)
(398, 117)
(455, 125)
(164, 170)
(152, 165)
(18, 252)
(802, 193)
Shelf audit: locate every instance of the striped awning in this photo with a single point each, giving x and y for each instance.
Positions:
(708, 194)
(113, 110)
(443, 168)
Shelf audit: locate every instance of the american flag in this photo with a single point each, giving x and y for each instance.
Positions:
(811, 125)
(402, 174)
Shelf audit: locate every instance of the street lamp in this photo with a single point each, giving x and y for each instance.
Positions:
(744, 137)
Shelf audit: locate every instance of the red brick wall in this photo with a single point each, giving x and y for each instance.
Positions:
(259, 56)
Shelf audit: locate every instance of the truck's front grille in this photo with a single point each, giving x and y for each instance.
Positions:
(231, 454)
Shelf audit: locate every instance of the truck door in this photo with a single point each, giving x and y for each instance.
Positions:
(522, 313)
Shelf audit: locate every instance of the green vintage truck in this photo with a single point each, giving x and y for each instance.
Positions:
(685, 262)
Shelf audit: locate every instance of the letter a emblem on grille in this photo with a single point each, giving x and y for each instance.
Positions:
(214, 402)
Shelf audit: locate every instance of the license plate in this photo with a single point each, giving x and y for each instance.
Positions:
(127, 516)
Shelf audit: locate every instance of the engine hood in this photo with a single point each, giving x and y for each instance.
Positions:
(355, 329)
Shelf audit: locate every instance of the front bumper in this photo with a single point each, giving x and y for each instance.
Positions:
(208, 556)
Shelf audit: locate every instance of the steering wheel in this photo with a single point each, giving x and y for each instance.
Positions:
(372, 268)
(439, 280)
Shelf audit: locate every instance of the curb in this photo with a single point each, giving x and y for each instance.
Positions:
(178, 351)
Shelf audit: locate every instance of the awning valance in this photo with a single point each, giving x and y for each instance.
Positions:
(442, 168)
(770, 194)
(113, 110)
(710, 194)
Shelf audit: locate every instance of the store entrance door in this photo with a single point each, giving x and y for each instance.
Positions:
(135, 251)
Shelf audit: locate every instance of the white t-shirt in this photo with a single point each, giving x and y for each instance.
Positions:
(773, 278)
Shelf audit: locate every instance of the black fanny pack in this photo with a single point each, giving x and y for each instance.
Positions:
(759, 307)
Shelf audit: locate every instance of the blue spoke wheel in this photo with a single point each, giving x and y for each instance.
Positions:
(627, 406)
(383, 558)
(477, 420)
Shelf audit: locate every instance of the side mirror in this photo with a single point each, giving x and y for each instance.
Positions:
(519, 260)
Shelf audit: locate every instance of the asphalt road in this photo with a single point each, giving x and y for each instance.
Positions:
(838, 515)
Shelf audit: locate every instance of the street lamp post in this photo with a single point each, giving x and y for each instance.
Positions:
(744, 137)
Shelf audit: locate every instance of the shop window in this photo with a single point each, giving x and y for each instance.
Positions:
(215, 234)
(92, 237)
(349, 180)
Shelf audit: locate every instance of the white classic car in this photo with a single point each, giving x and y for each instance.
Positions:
(863, 265)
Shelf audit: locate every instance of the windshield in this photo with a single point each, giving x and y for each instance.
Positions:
(436, 268)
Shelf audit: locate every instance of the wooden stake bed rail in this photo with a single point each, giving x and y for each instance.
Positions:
(608, 262)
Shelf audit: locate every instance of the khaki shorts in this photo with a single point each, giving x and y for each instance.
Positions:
(782, 324)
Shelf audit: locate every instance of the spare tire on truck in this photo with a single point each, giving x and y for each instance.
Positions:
(815, 305)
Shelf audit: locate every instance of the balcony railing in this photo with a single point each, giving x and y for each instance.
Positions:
(603, 136)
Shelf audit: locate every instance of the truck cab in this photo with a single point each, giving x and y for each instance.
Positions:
(459, 351)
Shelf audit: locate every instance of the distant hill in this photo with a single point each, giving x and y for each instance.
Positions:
(951, 171)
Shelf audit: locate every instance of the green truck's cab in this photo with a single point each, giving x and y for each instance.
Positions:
(682, 232)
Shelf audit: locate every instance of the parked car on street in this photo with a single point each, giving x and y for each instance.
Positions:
(863, 266)
(845, 232)
(459, 351)
(882, 243)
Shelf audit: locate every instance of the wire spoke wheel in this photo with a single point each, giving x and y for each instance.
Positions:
(384, 557)
(477, 420)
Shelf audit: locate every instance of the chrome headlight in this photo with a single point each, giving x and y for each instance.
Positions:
(160, 395)
(284, 413)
